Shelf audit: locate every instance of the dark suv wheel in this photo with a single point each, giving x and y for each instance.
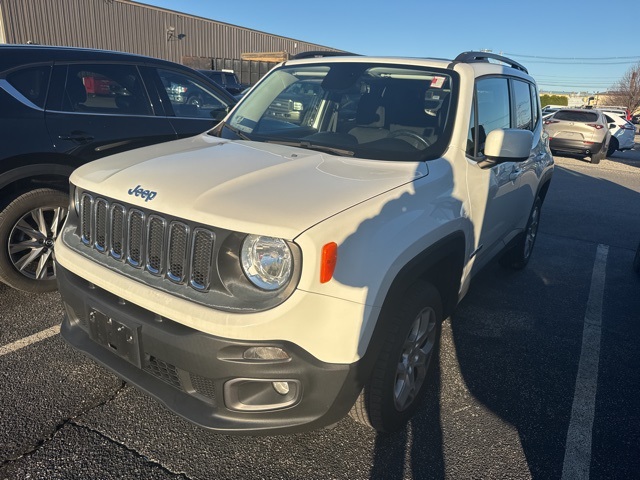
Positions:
(29, 227)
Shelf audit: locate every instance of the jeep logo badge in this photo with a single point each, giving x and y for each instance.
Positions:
(140, 192)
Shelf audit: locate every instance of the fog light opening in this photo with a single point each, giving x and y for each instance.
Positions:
(261, 394)
(281, 387)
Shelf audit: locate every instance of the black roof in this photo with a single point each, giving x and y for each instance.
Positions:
(11, 55)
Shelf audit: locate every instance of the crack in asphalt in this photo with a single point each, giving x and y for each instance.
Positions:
(67, 421)
(133, 450)
(72, 422)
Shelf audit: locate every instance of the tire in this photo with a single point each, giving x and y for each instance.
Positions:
(596, 157)
(401, 374)
(29, 226)
(519, 255)
(613, 146)
(636, 260)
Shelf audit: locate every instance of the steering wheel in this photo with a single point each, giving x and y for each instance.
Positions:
(417, 139)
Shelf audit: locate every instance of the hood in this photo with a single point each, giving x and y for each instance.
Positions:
(250, 187)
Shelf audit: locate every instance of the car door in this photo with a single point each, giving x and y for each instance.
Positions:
(98, 109)
(526, 174)
(493, 189)
(193, 104)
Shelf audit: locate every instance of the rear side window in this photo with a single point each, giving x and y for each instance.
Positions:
(105, 88)
(32, 82)
(573, 116)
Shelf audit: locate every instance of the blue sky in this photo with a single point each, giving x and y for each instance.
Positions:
(558, 41)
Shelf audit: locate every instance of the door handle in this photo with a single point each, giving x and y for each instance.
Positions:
(77, 137)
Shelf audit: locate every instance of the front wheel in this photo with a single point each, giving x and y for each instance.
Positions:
(401, 374)
(613, 146)
(29, 226)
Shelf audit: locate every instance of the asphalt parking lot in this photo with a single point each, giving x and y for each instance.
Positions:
(539, 376)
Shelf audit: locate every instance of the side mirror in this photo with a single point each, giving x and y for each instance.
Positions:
(507, 145)
(612, 125)
(219, 113)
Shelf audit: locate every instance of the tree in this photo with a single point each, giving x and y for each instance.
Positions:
(626, 92)
(546, 99)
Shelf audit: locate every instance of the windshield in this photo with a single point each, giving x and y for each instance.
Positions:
(377, 111)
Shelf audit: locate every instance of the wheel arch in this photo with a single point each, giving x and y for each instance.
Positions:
(543, 189)
(24, 173)
(440, 264)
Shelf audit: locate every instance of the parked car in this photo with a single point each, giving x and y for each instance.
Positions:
(623, 132)
(271, 276)
(226, 79)
(622, 111)
(61, 107)
(550, 109)
(296, 102)
(581, 132)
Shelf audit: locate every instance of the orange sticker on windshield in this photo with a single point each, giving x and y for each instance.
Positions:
(437, 82)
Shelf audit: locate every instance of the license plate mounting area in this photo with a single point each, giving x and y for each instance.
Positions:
(120, 338)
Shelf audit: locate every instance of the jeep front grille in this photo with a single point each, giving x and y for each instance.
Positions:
(117, 231)
(164, 248)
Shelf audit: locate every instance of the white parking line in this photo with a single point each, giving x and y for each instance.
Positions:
(31, 339)
(577, 454)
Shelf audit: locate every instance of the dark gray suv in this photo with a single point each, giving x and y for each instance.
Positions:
(62, 107)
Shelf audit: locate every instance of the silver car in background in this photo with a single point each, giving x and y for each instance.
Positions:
(579, 132)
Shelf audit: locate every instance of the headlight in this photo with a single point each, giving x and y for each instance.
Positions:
(74, 200)
(266, 261)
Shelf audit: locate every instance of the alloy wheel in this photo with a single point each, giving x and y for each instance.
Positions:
(415, 358)
(32, 240)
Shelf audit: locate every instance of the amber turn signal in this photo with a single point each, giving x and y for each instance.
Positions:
(328, 261)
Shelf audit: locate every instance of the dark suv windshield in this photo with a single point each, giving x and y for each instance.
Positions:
(379, 111)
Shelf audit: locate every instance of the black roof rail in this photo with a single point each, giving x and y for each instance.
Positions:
(471, 57)
(319, 54)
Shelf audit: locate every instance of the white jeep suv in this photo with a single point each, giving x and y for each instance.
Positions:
(295, 263)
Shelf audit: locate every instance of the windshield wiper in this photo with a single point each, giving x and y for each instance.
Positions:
(313, 146)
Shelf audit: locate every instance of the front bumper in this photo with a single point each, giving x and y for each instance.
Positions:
(201, 377)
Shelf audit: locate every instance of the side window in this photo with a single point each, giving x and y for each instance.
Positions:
(190, 98)
(105, 88)
(522, 100)
(32, 83)
(493, 108)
